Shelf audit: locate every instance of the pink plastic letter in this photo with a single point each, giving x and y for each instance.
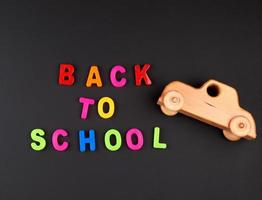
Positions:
(86, 102)
(114, 81)
(140, 139)
(56, 145)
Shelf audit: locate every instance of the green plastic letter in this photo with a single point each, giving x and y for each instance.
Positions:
(118, 138)
(39, 142)
(156, 143)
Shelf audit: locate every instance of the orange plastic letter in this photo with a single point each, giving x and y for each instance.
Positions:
(94, 77)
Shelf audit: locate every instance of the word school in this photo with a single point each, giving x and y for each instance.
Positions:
(66, 77)
(84, 140)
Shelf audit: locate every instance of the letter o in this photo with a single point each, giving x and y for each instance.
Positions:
(140, 139)
(108, 144)
(100, 107)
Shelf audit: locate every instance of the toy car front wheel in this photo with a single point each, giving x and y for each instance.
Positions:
(167, 112)
(173, 101)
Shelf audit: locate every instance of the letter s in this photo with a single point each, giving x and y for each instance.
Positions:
(39, 141)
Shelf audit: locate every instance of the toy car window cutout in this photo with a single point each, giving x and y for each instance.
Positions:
(213, 90)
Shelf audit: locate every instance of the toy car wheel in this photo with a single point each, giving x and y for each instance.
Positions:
(168, 112)
(239, 126)
(173, 101)
(230, 136)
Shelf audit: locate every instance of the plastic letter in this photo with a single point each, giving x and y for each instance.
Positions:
(83, 140)
(66, 74)
(86, 102)
(141, 74)
(100, 107)
(94, 77)
(59, 147)
(156, 143)
(39, 141)
(114, 71)
(140, 139)
(118, 138)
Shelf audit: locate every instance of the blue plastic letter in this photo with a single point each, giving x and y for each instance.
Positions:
(83, 140)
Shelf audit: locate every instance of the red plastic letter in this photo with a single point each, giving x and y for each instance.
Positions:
(142, 74)
(66, 76)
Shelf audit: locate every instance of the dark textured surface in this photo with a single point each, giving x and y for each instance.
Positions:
(191, 42)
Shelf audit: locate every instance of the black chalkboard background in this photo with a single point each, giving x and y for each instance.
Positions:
(191, 42)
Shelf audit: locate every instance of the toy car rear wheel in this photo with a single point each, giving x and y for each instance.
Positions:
(230, 136)
(173, 101)
(239, 126)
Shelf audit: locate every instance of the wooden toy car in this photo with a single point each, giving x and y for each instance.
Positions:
(214, 103)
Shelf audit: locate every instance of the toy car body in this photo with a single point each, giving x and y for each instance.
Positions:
(221, 109)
